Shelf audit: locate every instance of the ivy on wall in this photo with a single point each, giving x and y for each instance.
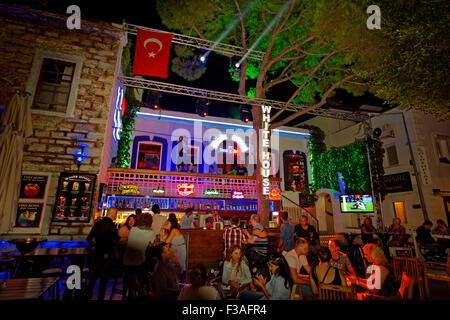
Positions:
(132, 105)
(350, 160)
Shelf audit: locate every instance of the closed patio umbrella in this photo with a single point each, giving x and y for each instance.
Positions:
(15, 126)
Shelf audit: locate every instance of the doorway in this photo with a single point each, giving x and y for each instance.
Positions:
(399, 209)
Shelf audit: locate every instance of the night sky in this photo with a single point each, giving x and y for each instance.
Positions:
(216, 77)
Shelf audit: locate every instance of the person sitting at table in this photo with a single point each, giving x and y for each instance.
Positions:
(188, 219)
(235, 271)
(306, 231)
(103, 238)
(387, 285)
(233, 235)
(198, 290)
(277, 288)
(339, 259)
(258, 243)
(399, 233)
(325, 273)
(443, 230)
(297, 261)
(164, 278)
(287, 242)
(425, 239)
(171, 234)
(367, 231)
(140, 237)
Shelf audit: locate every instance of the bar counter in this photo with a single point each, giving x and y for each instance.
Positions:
(206, 246)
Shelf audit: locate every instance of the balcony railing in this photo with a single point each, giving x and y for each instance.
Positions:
(169, 184)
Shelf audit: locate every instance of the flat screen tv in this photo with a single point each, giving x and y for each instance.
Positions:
(356, 203)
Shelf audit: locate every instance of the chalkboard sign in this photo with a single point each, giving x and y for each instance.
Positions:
(74, 197)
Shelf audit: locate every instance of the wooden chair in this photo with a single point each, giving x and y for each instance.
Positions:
(436, 271)
(412, 269)
(405, 292)
(296, 295)
(333, 292)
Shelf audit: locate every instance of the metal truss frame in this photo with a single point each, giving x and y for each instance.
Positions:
(234, 98)
(201, 43)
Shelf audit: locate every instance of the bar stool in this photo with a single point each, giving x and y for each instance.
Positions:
(8, 263)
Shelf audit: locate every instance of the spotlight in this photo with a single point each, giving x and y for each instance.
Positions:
(202, 58)
(245, 113)
(202, 107)
(152, 100)
(235, 62)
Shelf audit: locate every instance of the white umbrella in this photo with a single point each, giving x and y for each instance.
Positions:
(16, 124)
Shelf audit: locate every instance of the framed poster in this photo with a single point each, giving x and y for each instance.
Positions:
(74, 197)
(33, 187)
(29, 215)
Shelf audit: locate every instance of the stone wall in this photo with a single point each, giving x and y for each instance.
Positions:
(54, 142)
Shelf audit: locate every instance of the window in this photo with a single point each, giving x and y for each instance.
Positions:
(391, 154)
(442, 149)
(53, 88)
(53, 83)
(295, 170)
(149, 156)
(399, 209)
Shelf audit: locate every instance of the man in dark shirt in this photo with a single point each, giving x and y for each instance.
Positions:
(102, 238)
(306, 231)
(164, 281)
(425, 239)
(241, 170)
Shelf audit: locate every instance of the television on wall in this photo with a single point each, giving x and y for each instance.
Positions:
(356, 203)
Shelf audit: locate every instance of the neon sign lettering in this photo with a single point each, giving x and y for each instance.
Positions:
(185, 189)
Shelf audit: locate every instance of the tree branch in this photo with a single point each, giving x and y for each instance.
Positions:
(280, 79)
(317, 105)
(291, 8)
(204, 38)
(293, 23)
(305, 83)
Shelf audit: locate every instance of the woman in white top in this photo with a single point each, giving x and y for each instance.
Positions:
(198, 290)
(139, 239)
(235, 271)
(171, 234)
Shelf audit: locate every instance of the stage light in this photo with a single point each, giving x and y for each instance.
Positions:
(244, 113)
(235, 62)
(152, 100)
(202, 58)
(202, 107)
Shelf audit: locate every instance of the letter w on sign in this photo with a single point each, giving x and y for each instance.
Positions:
(152, 53)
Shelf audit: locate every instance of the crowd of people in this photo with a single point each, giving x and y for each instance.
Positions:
(152, 252)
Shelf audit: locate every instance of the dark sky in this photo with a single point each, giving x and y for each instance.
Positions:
(216, 78)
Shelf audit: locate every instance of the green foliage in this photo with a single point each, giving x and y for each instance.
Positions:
(186, 64)
(406, 61)
(131, 107)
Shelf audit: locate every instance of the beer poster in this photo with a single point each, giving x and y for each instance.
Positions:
(74, 197)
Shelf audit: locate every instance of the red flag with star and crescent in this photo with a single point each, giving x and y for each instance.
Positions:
(151, 57)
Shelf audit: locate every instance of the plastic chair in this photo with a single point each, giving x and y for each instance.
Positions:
(412, 269)
(333, 292)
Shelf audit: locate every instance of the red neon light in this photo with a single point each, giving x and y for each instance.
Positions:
(122, 112)
(185, 189)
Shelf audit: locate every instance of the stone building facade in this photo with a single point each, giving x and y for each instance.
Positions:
(29, 39)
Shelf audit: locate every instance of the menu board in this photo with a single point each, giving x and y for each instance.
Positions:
(74, 197)
(33, 187)
(29, 215)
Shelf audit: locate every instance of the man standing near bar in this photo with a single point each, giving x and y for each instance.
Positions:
(306, 231)
(233, 235)
(187, 220)
(258, 243)
(103, 238)
(287, 242)
(158, 220)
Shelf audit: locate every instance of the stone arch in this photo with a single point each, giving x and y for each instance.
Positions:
(322, 211)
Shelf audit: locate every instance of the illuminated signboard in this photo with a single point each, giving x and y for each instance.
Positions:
(128, 189)
(274, 195)
(185, 189)
(158, 191)
(237, 195)
(211, 193)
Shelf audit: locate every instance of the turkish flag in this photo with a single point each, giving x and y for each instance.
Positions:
(151, 57)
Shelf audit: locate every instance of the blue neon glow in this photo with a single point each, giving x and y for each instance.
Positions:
(226, 125)
(117, 126)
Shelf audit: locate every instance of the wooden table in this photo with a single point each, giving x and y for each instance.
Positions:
(27, 288)
(58, 252)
